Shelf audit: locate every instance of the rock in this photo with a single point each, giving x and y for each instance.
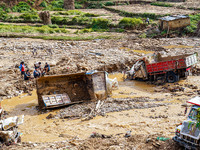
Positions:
(50, 116)
(114, 147)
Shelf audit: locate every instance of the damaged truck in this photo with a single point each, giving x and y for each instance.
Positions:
(61, 90)
(188, 132)
(169, 69)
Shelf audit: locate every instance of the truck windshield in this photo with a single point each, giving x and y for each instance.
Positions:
(192, 114)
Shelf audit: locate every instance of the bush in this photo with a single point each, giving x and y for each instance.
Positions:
(100, 23)
(76, 12)
(78, 6)
(43, 4)
(80, 20)
(53, 26)
(21, 7)
(55, 5)
(194, 19)
(130, 23)
(109, 4)
(30, 17)
(162, 4)
(90, 15)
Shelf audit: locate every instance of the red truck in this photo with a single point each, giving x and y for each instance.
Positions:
(154, 67)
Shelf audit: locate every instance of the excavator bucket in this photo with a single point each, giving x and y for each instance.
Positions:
(61, 90)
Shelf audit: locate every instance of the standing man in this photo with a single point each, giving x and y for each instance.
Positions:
(147, 20)
(22, 68)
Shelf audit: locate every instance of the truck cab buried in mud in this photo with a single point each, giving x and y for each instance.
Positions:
(188, 133)
(156, 68)
(61, 90)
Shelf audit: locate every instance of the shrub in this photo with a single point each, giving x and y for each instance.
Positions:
(130, 23)
(78, 6)
(57, 3)
(85, 30)
(30, 16)
(162, 4)
(100, 23)
(194, 19)
(43, 4)
(53, 26)
(21, 7)
(90, 15)
(109, 4)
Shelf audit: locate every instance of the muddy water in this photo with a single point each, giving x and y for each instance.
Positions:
(37, 128)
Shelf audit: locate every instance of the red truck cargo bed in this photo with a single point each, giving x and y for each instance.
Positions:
(165, 66)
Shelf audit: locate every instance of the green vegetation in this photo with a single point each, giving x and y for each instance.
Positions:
(43, 4)
(76, 12)
(4, 8)
(29, 29)
(130, 23)
(21, 7)
(194, 19)
(30, 17)
(100, 23)
(77, 20)
(55, 5)
(162, 4)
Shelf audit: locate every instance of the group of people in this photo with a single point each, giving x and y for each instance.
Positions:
(38, 72)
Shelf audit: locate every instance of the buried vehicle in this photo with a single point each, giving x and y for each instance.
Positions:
(61, 90)
(188, 132)
(154, 67)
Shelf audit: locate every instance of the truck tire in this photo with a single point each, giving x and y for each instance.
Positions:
(172, 77)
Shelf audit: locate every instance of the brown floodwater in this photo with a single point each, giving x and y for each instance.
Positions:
(37, 128)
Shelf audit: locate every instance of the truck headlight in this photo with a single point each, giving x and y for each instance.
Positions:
(178, 132)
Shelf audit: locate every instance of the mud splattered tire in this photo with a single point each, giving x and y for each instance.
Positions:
(172, 77)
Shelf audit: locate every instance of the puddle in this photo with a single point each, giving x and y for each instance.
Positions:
(177, 46)
(137, 51)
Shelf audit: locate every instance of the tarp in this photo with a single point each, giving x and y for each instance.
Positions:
(195, 101)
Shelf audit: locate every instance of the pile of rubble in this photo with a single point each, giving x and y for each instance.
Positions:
(85, 110)
(9, 129)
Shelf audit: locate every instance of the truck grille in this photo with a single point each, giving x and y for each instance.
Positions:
(189, 139)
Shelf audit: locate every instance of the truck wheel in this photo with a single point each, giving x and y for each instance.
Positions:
(172, 77)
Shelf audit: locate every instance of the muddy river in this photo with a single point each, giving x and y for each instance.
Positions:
(36, 128)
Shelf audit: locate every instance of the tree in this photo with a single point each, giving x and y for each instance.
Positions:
(69, 4)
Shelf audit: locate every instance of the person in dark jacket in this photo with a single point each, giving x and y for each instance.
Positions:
(46, 67)
(36, 73)
(27, 75)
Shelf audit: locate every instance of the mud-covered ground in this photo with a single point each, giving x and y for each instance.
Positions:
(147, 110)
(137, 8)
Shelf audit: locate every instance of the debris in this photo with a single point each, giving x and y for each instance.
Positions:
(8, 130)
(128, 134)
(162, 139)
(98, 135)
